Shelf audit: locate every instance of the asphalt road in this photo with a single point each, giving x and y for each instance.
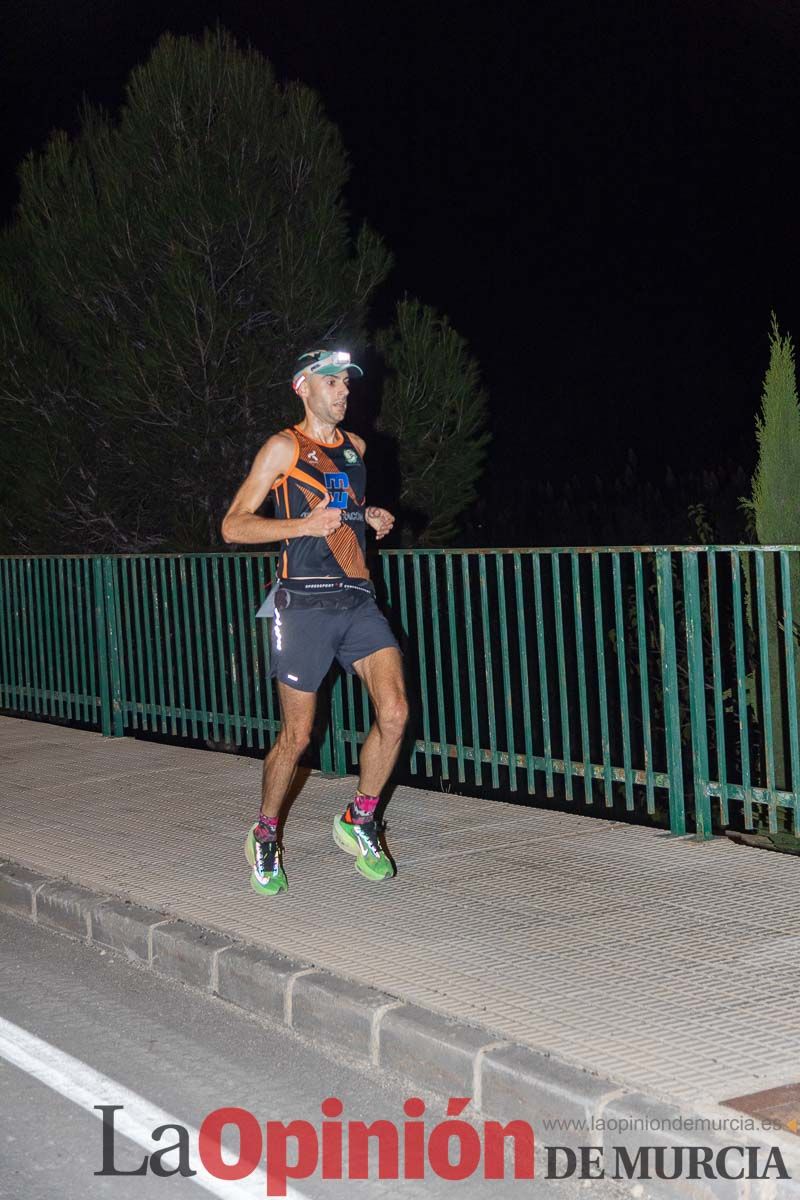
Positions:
(164, 1047)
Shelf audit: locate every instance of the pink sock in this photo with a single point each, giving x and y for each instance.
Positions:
(363, 808)
(267, 828)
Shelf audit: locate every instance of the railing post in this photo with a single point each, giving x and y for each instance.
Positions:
(791, 683)
(102, 647)
(669, 689)
(325, 748)
(337, 728)
(697, 696)
(111, 722)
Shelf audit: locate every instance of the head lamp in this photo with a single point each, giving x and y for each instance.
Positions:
(322, 362)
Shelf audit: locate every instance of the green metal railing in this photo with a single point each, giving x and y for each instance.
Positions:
(661, 679)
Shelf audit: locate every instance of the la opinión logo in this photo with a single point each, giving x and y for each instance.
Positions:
(453, 1149)
(665, 1162)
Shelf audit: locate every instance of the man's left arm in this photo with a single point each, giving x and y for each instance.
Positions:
(379, 519)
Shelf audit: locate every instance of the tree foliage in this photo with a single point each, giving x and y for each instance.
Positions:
(775, 506)
(435, 408)
(775, 498)
(633, 506)
(160, 276)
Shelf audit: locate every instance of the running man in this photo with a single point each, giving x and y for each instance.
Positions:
(322, 607)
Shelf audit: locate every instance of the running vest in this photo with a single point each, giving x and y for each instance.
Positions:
(319, 470)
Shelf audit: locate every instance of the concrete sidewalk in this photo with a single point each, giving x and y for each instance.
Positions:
(662, 966)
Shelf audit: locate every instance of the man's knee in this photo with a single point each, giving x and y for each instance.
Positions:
(294, 738)
(393, 714)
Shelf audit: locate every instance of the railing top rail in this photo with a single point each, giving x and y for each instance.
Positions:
(692, 549)
(146, 554)
(269, 552)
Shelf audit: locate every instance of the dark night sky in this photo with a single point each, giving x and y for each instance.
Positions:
(603, 198)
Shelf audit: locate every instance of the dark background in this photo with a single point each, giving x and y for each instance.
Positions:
(602, 197)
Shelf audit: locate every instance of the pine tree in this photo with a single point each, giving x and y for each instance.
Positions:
(435, 408)
(161, 274)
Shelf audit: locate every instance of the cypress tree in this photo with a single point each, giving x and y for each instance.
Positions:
(776, 483)
(775, 507)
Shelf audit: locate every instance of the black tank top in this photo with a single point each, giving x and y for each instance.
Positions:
(319, 470)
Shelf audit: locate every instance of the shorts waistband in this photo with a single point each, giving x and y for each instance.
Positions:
(324, 586)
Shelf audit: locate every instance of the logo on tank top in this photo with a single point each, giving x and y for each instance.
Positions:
(350, 456)
(337, 484)
(312, 456)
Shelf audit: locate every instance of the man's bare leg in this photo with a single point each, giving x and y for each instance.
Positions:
(261, 848)
(297, 719)
(382, 672)
(355, 831)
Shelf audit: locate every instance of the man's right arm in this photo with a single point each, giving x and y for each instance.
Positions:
(240, 523)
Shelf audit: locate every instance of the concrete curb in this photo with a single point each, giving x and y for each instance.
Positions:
(505, 1081)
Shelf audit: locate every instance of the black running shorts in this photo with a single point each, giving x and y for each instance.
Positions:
(309, 631)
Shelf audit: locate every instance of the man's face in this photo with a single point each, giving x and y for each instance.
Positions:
(326, 396)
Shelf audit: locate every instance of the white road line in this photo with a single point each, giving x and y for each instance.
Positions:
(86, 1087)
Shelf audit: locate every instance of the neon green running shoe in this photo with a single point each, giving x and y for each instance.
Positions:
(268, 877)
(363, 841)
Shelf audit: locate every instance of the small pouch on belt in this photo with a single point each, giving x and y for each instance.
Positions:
(268, 607)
